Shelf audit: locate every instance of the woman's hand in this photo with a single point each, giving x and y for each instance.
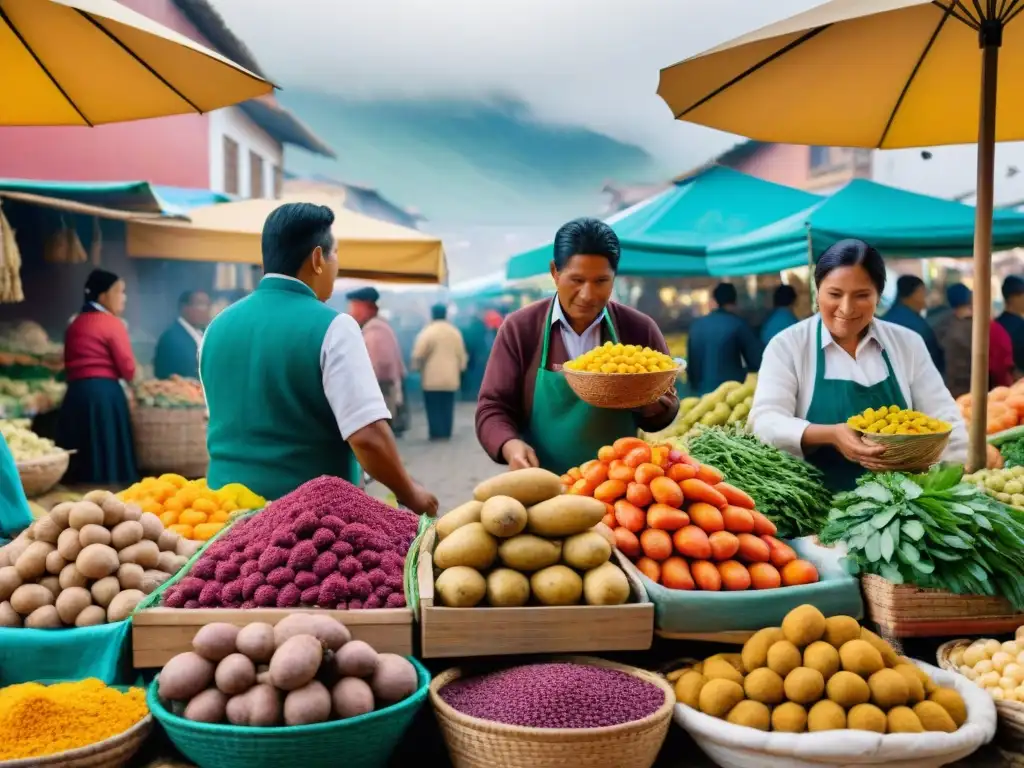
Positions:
(856, 449)
(420, 500)
(519, 455)
(655, 409)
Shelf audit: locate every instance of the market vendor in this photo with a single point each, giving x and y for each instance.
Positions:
(177, 351)
(527, 415)
(818, 373)
(15, 515)
(288, 382)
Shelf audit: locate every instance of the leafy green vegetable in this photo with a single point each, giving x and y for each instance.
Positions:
(1013, 452)
(932, 530)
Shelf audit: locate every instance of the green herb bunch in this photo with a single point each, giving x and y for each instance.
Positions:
(932, 530)
(1013, 453)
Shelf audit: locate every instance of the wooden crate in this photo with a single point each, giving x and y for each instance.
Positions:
(464, 632)
(160, 633)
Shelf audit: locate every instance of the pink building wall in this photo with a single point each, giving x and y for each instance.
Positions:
(787, 164)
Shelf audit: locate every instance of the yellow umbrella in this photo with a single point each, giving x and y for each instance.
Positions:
(230, 232)
(87, 62)
(879, 74)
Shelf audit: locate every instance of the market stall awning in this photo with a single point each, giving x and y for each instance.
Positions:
(230, 233)
(131, 196)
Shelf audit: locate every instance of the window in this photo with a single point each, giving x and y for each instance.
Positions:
(256, 186)
(821, 158)
(231, 185)
(278, 181)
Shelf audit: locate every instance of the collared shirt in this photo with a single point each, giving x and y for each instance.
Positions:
(785, 384)
(901, 314)
(577, 344)
(191, 330)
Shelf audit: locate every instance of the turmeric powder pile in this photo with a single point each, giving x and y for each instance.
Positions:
(38, 720)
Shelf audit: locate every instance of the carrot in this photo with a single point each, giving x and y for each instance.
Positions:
(706, 517)
(706, 576)
(619, 471)
(647, 472)
(709, 474)
(698, 490)
(666, 518)
(596, 473)
(641, 454)
(735, 496)
(692, 542)
(656, 544)
(582, 487)
(626, 542)
(649, 568)
(639, 494)
(680, 472)
(630, 516)
(738, 519)
(606, 454)
(624, 445)
(675, 574)
(609, 519)
(762, 525)
(667, 491)
(610, 491)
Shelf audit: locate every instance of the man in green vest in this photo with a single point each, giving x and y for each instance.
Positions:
(288, 381)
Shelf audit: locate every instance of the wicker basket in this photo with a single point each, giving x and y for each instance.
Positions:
(620, 391)
(114, 752)
(1011, 713)
(40, 475)
(476, 743)
(171, 440)
(909, 453)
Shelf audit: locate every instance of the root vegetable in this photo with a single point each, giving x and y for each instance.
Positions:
(44, 617)
(528, 486)
(152, 579)
(91, 616)
(145, 553)
(129, 576)
(127, 533)
(394, 679)
(605, 585)
(458, 517)
(168, 541)
(72, 602)
(28, 597)
(104, 591)
(70, 576)
(184, 676)
(564, 516)
(32, 563)
(356, 659)
(187, 548)
(256, 641)
(152, 528)
(168, 562)
(93, 534)
(216, 642)
(210, 706)
(68, 544)
(132, 512)
(235, 674)
(52, 583)
(260, 707)
(309, 704)
(527, 552)
(45, 529)
(461, 587)
(295, 662)
(8, 616)
(123, 604)
(471, 546)
(587, 550)
(557, 585)
(507, 588)
(113, 511)
(97, 561)
(503, 516)
(55, 563)
(60, 514)
(85, 513)
(352, 697)
(10, 580)
(331, 633)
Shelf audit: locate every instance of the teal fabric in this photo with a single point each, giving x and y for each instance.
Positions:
(779, 320)
(837, 594)
(721, 347)
(15, 515)
(271, 426)
(103, 652)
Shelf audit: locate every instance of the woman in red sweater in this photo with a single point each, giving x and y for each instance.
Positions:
(94, 418)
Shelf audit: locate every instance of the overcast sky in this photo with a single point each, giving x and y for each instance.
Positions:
(589, 62)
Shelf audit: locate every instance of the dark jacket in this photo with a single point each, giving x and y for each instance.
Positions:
(779, 320)
(176, 353)
(1014, 325)
(722, 347)
(901, 314)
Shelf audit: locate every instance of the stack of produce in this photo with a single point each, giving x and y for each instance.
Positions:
(189, 507)
(25, 444)
(683, 525)
(622, 358)
(1005, 485)
(86, 563)
(175, 392)
(996, 667)
(28, 397)
(25, 348)
(892, 420)
(817, 674)
(1005, 408)
(40, 720)
(305, 670)
(549, 546)
(729, 405)
(324, 545)
(931, 530)
(788, 491)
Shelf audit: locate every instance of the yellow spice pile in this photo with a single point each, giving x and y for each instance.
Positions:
(37, 720)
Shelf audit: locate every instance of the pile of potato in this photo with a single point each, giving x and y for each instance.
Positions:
(306, 669)
(85, 563)
(546, 545)
(997, 667)
(818, 674)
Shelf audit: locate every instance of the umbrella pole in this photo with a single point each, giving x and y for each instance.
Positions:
(991, 38)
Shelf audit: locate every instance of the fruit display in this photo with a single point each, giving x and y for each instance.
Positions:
(175, 392)
(189, 507)
(25, 444)
(815, 674)
(893, 420)
(327, 544)
(1005, 485)
(1005, 408)
(683, 526)
(728, 405)
(521, 538)
(25, 348)
(29, 397)
(622, 358)
(306, 669)
(997, 667)
(86, 563)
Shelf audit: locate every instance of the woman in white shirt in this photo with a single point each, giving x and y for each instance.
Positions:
(820, 372)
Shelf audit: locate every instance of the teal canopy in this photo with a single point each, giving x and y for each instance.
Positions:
(140, 196)
(669, 234)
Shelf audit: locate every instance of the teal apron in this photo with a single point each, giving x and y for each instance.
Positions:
(14, 512)
(563, 430)
(833, 402)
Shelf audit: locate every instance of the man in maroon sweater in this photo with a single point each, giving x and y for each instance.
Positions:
(527, 415)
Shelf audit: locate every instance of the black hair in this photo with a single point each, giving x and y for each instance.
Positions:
(908, 285)
(1012, 286)
(725, 294)
(586, 237)
(785, 296)
(852, 253)
(439, 312)
(290, 234)
(186, 298)
(99, 282)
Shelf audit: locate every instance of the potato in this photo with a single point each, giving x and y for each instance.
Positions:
(256, 641)
(131, 512)
(98, 497)
(210, 706)
(564, 516)
(152, 579)
(125, 534)
(32, 563)
(152, 528)
(184, 676)
(460, 587)
(507, 588)
(71, 602)
(503, 516)
(129, 576)
(527, 552)
(123, 604)
(168, 562)
(8, 616)
(68, 544)
(94, 534)
(70, 576)
(352, 697)
(92, 616)
(471, 546)
(113, 511)
(186, 547)
(55, 563)
(260, 707)
(295, 662)
(309, 704)
(527, 486)
(605, 585)
(105, 590)
(4, 559)
(235, 674)
(44, 617)
(586, 550)
(331, 633)
(217, 641)
(10, 580)
(458, 517)
(45, 529)
(97, 561)
(168, 541)
(605, 532)
(17, 547)
(52, 583)
(557, 585)
(84, 513)
(60, 514)
(394, 679)
(355, 659)
(29, 597)
(145, 553)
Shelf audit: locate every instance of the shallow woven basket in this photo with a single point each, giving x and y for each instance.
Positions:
(620, 391)
(40, 475)
(476, 743)
(114, 752)
(909, 453)
(1011, 713)
(171, 440)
